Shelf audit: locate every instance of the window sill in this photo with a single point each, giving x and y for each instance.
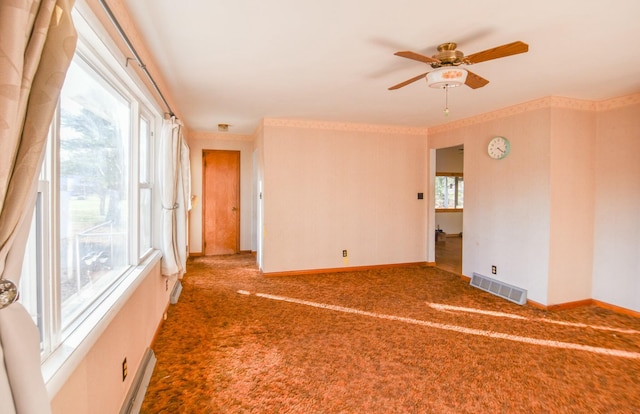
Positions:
(449, 210)
(59, 366)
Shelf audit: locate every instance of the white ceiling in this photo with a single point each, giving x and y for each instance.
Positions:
(236, 62)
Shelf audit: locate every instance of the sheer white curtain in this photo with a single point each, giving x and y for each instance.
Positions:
(37, 43)
(175, 189)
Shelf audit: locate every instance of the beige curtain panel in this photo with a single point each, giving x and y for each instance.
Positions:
(175, 188)
(37, 43)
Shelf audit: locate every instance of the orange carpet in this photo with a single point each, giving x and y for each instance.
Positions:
(400, 340)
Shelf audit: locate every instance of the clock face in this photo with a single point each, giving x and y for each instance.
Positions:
(498, 148)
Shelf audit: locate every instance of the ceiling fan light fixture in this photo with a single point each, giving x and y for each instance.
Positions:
(446, 77)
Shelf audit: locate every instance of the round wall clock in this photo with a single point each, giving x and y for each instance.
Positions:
(498, 148)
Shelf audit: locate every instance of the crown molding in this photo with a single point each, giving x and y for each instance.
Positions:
(344, 126)
(619, 102)
(542, 103)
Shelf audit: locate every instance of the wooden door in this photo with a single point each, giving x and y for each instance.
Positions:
(221, 202)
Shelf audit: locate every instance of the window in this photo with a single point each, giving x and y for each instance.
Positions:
(449, 191)
(93, 221)
(32, 288)
(94, 167)
(144, 186)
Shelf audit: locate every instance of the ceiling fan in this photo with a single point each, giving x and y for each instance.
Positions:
(445, 64)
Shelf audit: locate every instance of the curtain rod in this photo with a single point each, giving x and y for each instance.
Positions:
(113, 19)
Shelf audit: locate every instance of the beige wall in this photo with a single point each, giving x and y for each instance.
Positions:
(616, 258)
(333, 187)
(96, 385)
(450, 159)
(450, 222)
(506, 211)
(572, 139)
(559, 216)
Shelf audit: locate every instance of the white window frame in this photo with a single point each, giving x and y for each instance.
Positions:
(146, 114)
(63, 351)
(457, 177)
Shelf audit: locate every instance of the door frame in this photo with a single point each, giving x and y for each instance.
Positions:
(431, 227)
(238, 198)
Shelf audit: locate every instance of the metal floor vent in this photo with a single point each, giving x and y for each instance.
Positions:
(498, 288)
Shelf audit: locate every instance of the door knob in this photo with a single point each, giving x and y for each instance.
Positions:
(234, 208)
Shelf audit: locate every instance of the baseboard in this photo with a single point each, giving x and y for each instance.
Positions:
(570, 305)
(135, 396)
(343, 269)
(560, 306)
(200, 254)
(175, 292)
(615, 308)
(165, 315)
(585, 302)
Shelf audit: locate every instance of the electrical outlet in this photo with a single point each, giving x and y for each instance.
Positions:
(344, 253)
(494, 269)
(125, 370)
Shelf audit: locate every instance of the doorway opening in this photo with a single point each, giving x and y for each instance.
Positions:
(449, 208)
(220, 202)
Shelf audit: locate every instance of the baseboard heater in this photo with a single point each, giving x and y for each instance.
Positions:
(135, 396)
(498, 288)
(175, 293)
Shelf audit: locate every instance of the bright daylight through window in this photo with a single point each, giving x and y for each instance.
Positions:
(93, 218)
(449, 191)
(94, 134)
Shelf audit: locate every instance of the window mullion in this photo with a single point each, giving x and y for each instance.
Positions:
(52, 276)
(455, 197)
(134, 192)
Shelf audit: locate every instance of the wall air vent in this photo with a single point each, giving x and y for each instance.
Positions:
(498, 288)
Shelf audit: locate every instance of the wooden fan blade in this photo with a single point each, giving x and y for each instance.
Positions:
(405, 83)
(475, 81)
(498, 52)
(416, 56)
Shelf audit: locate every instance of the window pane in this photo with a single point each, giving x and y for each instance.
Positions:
(145, 220)
(31, 295)
(144, 152)
(450, 201)
(94, 136)
(441, 183)
(449, 191)
(144, 185)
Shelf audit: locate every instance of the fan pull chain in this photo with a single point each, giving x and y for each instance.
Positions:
(446, 100)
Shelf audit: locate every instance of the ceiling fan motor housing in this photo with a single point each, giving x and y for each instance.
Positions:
(448, 56)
